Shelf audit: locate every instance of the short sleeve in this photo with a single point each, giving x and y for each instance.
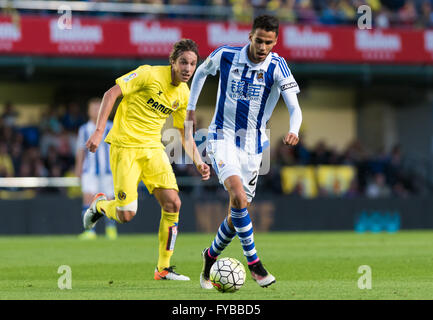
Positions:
(285, 78)
(179, 115)
(134, 80)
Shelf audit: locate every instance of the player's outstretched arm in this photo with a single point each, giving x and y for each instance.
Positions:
(107, 104)
(191, 150)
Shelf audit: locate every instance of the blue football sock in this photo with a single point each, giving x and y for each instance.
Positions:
(222, 239)
(244, 229)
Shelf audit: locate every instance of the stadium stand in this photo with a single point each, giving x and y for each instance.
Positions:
(386, 13)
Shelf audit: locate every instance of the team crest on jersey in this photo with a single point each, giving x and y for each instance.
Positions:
(121, 195)
(131, 76)
(175, 105)
(260, 76)
(221, 164)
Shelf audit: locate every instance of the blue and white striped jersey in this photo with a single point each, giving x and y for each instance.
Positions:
(97, 163)
(247, 95)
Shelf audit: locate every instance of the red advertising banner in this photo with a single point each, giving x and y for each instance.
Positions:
(138, 38)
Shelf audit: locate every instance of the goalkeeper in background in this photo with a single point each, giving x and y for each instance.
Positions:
(150, 95)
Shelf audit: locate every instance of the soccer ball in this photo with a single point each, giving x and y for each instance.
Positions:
(227, 275)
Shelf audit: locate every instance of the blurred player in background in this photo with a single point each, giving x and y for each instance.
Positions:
(250, 83)
(150, 95)
(94, 169)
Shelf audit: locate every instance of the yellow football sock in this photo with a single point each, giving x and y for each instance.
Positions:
(108, 208)
(167, 237)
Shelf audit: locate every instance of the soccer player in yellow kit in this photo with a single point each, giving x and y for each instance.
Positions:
(150, 95)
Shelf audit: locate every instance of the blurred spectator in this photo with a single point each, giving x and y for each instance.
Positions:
(346, 11)
(31, 164)
(394, 166)
(6, 164)
(320, 154)
(48, 139)
(259, 7)
(52, 159)
(73, 117)
(9, 115)
(330, 13)
(375, 5)
(408, 14)
(16, 152)
(50, 121)
(242, 11)
(426, 15)
(302, 154)
(399, 190)
(377, 188)
(305, 12)
(353, 190)
(382, 19)
(284, 155)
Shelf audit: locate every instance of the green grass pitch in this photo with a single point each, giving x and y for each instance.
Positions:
(307, 265)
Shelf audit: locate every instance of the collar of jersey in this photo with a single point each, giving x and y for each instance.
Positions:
(243, 58)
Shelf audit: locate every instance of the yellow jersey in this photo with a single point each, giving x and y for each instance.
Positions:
(148, 100)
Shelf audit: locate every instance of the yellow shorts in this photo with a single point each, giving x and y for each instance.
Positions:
(132, 165)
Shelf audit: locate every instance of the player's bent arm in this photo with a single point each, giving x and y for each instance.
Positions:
(107, 104)
(196, 86)
(189, 145)
(292, 103)
(191, 150)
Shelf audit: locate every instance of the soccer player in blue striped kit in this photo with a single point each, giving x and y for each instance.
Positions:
(251, 80)
(94, 169)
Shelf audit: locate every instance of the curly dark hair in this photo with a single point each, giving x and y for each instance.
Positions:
(180, 47)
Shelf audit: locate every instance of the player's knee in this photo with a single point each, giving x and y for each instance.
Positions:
(125, 216)
(239, 200)
(172, 205)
